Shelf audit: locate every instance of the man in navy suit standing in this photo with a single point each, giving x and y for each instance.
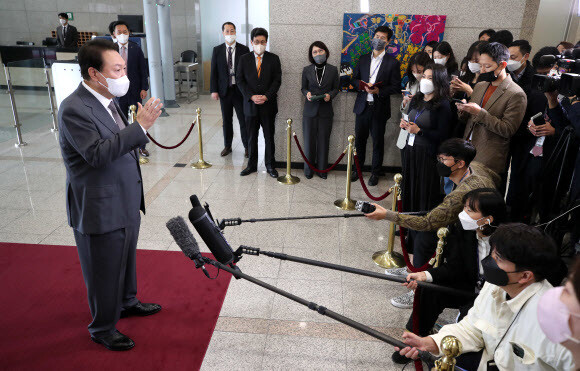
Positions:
(223, 85)
(380, 75)
(137, 71)
(104, 188)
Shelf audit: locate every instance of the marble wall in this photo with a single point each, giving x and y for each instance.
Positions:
(33, 20)
(295, 24)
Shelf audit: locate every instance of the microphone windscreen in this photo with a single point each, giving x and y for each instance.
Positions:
(183, 237)
(211, 235)
(194, 201)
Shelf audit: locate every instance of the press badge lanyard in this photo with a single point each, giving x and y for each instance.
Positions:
(376, 68)
(321, 77)
(491, 363)
(481, 105)
(411, 140)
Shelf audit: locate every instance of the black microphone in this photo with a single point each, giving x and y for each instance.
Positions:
(365, 207)
(194, 201)
(211, 235)
(185, 240)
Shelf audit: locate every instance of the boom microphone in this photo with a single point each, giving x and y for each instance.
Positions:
(185, 240)
(211, 235)
(194, 201)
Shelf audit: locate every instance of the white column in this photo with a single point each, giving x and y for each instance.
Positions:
(153, 49)
(166, 46)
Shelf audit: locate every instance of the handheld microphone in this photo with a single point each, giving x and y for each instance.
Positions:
(185, 240)
(211, 235)
(365, 207)
(194, 201)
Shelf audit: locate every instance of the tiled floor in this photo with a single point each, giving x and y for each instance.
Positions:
(257, 329)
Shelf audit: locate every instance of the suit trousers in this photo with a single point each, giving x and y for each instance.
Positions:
(233, 99)
(316, 141)
(369, 122)
(127, 101)
(108, 262)
(265, 120)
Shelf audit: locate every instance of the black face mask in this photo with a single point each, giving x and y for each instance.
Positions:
(444, 170)
(488, 76)
(493, 274)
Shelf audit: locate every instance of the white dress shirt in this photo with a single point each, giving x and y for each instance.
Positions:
(233, 71)
(104, 101)
(375, 66)
(490, 318)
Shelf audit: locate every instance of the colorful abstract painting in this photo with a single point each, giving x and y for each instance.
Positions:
(411, 33)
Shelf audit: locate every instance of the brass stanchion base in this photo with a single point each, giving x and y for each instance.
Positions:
(387, 259)
(288, 179)
(345, 204)
(143, 160)
(200, 165)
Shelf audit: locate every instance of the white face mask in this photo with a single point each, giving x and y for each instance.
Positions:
(259, 49)
(123, 39)
(514, 65)
(62, 21)
(418, 76)
(474, 67)
(117, 87)
(441, 61)
(426, 86)
(468, 223)
(230, 38)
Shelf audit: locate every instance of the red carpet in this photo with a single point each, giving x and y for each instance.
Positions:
(44, 312)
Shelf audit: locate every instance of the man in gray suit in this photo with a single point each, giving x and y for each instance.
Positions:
(104, 190)
(67, 36)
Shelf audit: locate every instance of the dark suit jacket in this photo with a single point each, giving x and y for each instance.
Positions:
(137, 72)
(104, 190)
(72, 37)
(219, 67)
(268, 83)
(389, 73)
(329, 85)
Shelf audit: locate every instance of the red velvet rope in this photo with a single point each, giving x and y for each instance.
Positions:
(364, 186)
(404, 247)
(312, 166)
(178, 144)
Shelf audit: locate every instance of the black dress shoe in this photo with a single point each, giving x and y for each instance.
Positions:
(247, 171)
(115, 341)
(141, 309)
(308, 176)
(399, 359)
(226, 151)
(273, 173)
(322, 175)
(353, 176)
(373, 180)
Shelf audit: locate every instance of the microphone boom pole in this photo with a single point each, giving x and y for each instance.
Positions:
(256, 251)
(237, 273)
(237, 221)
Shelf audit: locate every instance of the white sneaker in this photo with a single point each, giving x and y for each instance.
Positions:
(398, 272)
(404, 301)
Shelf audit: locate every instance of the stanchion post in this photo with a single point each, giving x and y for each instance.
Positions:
(53, 109)
(132, 119)
(288, 179)
(200, 164)
(441, 234)
(19, 141)
(388, 258)
(451, 347)
(347, 203)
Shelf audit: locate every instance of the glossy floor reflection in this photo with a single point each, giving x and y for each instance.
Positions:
(257, 329)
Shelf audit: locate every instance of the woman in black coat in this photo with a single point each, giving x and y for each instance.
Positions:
(319, 86)
(427, 121)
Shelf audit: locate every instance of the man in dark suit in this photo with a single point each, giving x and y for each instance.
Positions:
(373, 103)
(223, 85)
(259, 75)
(67, 36)
(137, 71)
(104, 189)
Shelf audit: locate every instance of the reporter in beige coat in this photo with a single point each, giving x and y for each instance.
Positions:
(495, 110)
